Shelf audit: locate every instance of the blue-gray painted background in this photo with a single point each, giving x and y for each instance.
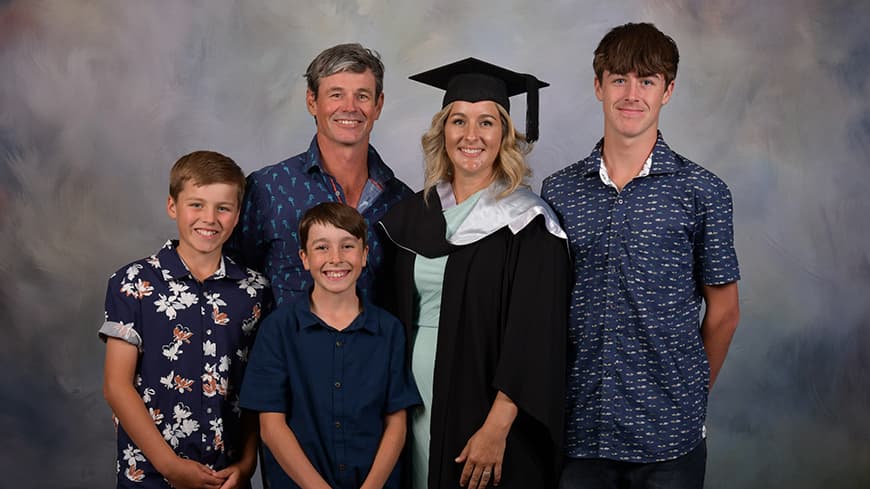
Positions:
(99, 97)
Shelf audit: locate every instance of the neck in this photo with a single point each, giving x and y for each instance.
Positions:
(466, 186)
(348, 165)
(336, 310)
(200, 266)
(624, 157)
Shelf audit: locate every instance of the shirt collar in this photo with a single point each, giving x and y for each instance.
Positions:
(378, 170)
(365, 321)
(174, 267)
(660, 160)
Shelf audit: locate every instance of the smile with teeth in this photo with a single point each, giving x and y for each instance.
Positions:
(347, 122)
(207, 233)
(336, 274)
(471, 151)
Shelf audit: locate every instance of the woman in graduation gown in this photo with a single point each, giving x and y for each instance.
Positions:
(481, 282)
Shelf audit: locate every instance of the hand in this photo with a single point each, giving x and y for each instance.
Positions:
(187, 474)
(232, 476)
(482, 455)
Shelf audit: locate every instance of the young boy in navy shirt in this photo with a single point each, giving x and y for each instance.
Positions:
(179, 325)
(328, 373)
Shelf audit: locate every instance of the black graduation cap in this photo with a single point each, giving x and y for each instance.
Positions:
(473, 80)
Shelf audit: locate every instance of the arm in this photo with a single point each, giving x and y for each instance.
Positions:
(239, 474)
(389, 450)
(120, 370)
(287, 451)
(484, 452)
(720, 321)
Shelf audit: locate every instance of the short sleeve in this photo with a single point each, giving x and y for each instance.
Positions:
(402, 391)
(266, 384)
(123, 306)
(715, 257)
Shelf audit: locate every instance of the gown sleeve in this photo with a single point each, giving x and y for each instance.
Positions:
(531, 367)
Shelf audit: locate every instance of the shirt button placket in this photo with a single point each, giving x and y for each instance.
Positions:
(338, 403)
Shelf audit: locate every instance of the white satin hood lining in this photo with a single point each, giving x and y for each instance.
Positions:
(490, 214)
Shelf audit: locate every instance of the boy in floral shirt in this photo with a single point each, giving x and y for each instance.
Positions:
(179, 325)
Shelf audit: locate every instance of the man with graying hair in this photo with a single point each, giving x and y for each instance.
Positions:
(345, 97)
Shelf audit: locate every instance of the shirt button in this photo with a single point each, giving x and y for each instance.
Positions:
(208, 410)
(337, 385)
(619, 201)
(338, 343)
(338, 425)
(208, 331)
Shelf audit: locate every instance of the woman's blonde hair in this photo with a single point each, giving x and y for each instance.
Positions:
(510, 166)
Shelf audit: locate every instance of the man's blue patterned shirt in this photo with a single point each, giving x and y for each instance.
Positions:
(637, 379)
(266, 237)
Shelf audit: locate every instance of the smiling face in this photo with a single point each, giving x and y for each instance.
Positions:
(345, 108)
(472, 138)
(205, 216)
(632, 104)
(334, 257)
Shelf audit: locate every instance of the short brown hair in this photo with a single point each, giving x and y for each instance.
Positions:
(337, 214)
(205, 168)
(639, 48)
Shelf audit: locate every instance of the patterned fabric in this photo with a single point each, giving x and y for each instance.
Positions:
(335, 387)
(637, 369)
(193, 339)
(266, 237)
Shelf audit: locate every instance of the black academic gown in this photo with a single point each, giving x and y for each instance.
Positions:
(503, 327)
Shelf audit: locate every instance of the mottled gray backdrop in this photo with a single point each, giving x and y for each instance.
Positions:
(99, 97)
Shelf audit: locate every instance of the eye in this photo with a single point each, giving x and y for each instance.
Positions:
(458, 122)
(487, 123)
(362, 97)
(349, 246)
(195, 205)
(647, 82)
(320, 247)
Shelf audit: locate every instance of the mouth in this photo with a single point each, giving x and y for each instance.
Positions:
(336, 274)
(206, 233)
(348, 122)
(472, 152)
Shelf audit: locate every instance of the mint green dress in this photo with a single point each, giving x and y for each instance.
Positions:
(428, 280)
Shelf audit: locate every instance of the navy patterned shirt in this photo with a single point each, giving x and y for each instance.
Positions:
(334, 386)
(637, 369)
(193, 340)
(266, 238)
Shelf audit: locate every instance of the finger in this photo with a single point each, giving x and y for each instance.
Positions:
(496, 474)
(485, 478)
(462, 456)
(467, 469)
(474, 482)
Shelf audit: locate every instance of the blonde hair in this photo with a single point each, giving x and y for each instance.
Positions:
(510, 166)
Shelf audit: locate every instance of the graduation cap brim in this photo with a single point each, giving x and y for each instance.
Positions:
(473, 80)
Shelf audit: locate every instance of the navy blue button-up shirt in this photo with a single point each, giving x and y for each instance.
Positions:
(637, 369)
(266, 238)
(193, 340)
(335, 387)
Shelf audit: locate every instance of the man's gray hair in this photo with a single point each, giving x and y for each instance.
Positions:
(351, 57)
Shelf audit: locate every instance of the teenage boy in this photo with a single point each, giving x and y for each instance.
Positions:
(651, 236)
(345, 96)
(178, 328)
(328, 373)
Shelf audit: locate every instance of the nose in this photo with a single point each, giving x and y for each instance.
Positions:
(633, 87)
(471, 132)
(334, 255)
(348, 104)
(209, 214)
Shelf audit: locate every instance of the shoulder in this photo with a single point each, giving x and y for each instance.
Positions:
(564, 180)
(703, 181)
(293, 166)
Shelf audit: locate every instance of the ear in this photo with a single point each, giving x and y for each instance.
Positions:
(365, 256)
(378, 106)
(304, 257)
(311, 102)
(598, 92)
(668, 92)
(171, 208)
